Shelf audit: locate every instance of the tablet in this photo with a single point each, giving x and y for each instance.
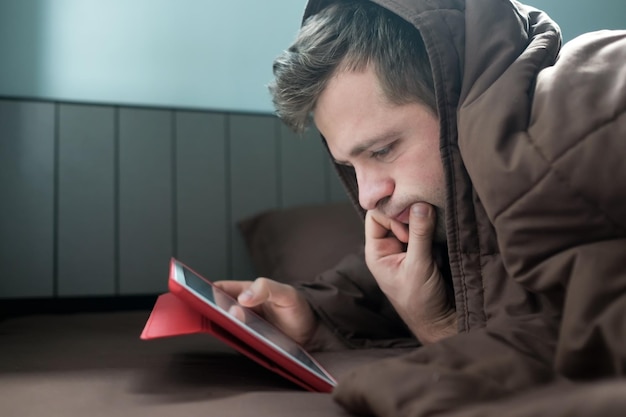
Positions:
(253, 336)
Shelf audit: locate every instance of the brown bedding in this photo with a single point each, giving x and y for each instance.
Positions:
(69, 365)
(96, 365)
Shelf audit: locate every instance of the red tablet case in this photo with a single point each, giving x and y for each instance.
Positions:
(171, 316)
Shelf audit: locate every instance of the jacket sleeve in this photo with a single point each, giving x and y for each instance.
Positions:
(470, 368)
(349, 303)
(440, 388)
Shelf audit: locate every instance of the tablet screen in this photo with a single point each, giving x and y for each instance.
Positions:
(252, 322)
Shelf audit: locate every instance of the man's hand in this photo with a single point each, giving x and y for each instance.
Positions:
(411, 279)
(280, 304)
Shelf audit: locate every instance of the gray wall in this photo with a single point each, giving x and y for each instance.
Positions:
(96, 199)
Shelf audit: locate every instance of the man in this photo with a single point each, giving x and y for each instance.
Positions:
(462, 123)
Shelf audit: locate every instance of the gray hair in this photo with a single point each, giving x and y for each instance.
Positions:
(349, 36)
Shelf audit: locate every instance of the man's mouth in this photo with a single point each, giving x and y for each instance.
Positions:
(403, 216)
(397, 222)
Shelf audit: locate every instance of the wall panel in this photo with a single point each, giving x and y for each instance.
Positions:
(96, 199)
(335, 189)
(201, 193)
(86, 205)
(254, 175)
(27, 202)
(302, 176)
(146, 219)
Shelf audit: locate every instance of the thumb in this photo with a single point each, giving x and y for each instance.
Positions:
(421, 229)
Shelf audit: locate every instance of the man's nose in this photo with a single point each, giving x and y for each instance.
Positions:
(372, 189)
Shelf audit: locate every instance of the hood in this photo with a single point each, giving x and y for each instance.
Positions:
(449, 28)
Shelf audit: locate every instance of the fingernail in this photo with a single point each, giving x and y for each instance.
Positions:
(420, 210)
(245, 296)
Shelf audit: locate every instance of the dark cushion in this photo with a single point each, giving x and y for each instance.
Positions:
(295, 244)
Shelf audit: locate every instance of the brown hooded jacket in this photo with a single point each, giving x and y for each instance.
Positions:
(533, 139)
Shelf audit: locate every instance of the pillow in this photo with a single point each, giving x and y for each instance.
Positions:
(296, 244)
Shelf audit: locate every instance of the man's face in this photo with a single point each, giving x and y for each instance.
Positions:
(394, 149)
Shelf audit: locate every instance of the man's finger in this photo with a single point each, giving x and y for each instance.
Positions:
(376, 228)
(237, 312)
(266, 290)
(421, 229)
(379, 242)
(233, 288)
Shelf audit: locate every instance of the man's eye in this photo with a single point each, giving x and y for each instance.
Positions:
(382, 153)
